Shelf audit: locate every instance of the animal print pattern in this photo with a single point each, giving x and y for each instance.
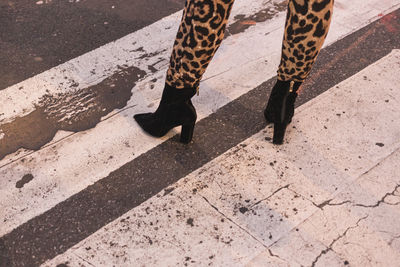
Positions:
(199, 36)
(203, 27)
(307, 25)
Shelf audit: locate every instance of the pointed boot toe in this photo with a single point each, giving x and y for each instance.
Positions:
(142, 117)
(175, 109)
(147, 122)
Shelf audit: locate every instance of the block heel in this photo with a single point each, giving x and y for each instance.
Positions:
(187, 133)
(279, 133)
(280, 108)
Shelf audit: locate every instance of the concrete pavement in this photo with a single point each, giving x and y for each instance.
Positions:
(329, 197)
(106, 194)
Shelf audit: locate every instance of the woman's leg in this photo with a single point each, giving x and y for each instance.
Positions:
(202, 30)
(199, 36)
(307, 25)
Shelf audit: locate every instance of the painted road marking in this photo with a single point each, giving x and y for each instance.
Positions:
(64, 225)
(36, 38)
(257, 199)
(147, 49)
(58, 171)
(76, 80)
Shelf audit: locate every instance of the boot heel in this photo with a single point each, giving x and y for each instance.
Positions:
(279, 133)
(187, 133)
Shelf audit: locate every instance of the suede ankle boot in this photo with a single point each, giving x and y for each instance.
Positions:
(175, 109)
(280, 107)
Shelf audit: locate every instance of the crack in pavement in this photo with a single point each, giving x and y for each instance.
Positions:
(83, 259)
(245, 230)
(329, 248)
(229, 219)
(379, 163)
(328, 203)
(382, 200)
(275, 255)
(275, 192)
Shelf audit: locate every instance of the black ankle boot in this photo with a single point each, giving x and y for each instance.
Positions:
(175, 109)
(280, 107)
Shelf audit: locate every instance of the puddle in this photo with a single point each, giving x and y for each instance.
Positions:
(75, 111)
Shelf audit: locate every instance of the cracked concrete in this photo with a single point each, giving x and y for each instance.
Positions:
(243, 229)
(144, 235)
(259, 205)
(334, 241)
(268, 197)
(379, 228)
(383, 199)
(328, 203)
(241, 55)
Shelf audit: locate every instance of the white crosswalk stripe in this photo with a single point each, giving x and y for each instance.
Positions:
(70, 162)
(202, 221)
(84, 159)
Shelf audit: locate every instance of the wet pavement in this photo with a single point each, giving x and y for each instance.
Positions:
(84, 186)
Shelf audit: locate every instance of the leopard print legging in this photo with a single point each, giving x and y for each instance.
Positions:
(202, 30)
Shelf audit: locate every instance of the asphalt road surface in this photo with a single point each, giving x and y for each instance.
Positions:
(82, 185)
